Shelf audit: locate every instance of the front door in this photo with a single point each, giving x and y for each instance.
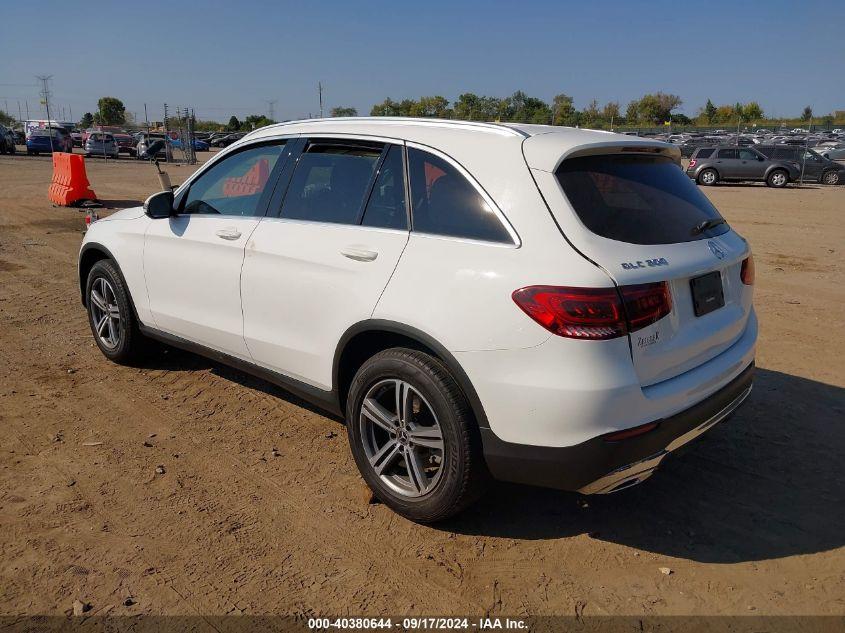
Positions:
(193, 260)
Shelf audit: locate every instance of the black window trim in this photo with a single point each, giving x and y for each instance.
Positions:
(382, 158)
(515, 242)
(263, 203)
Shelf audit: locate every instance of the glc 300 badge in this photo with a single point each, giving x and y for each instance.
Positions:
(649, 263)
(716, 250)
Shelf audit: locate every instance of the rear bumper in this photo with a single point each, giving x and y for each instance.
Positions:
(598, 466)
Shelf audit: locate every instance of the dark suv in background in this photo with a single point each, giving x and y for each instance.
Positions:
(709, 165)
(815, 167)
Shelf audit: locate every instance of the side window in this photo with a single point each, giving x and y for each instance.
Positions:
(747, 154)
(386, 206)
(330, 183)
(727, 153)
(445, 203)
(234, 185)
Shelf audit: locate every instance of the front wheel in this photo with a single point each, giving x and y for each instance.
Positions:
(413, 435)
(110, 314)
(777, 178)
(831, 178)
(708, 177)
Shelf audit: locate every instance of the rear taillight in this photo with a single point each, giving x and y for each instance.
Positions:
(629, 433)
(692, 162)
(595, 313)
(746, 273)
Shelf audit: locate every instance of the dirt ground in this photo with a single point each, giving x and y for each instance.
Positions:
(750, 521)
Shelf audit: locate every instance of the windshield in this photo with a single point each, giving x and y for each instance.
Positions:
(637, 199)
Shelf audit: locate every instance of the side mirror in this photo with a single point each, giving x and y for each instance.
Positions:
(159, 205)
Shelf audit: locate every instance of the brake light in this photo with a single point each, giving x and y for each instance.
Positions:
(595, 313)
(746, 273)
(692, 163)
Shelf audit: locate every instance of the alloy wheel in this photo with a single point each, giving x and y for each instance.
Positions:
(402, 437)
(105, 313)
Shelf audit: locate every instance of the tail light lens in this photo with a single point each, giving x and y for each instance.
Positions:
(746, 273)
(692, 163)
(595, 313)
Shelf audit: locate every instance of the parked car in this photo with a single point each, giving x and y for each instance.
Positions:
(20, 137)
(7, 140)
(811, 165)
(710, 165)
(40, 141)
(199, 145)
(227, 140)
(144, 142)
(101, 144)
(125, 144)
(415, 278)
(833, 153)
(76, 137)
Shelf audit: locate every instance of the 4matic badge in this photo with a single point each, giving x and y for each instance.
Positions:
(648, 263)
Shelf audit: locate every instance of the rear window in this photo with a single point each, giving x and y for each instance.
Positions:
(636, 199)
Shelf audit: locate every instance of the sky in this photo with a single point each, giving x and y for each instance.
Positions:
(231, 58)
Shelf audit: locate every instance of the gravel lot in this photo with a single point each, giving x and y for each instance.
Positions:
(750, 520)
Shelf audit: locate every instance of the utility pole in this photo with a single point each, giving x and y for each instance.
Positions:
(27, 109)
(271, 109)
(20, 115)
(320, 92)
(45, 95)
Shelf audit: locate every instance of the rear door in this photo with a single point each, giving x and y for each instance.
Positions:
(320, 264)
(727, 164)
(635, 215)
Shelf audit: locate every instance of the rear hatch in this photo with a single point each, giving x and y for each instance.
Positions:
(628, 207)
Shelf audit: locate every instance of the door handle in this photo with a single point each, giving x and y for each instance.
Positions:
(228, 234)
(359, 254)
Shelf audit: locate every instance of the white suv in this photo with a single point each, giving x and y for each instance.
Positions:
(544, 305)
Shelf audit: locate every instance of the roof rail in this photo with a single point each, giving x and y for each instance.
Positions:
(479, 125)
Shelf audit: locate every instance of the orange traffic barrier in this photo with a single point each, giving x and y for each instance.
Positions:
(250, 183)
(70, 183)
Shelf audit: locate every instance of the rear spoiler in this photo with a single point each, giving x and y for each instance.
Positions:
(546, 152)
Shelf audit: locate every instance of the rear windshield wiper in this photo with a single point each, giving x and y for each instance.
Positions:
(707, 224)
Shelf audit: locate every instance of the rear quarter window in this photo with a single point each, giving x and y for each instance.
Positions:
(705, 152)
(636, 199)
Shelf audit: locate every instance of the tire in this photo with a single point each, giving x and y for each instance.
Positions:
(831, 177)
(120, 340)
(707, 177)
(433, 491)
(777, 178)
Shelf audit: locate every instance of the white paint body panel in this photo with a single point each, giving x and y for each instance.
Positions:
(193, 279)
(300, 293)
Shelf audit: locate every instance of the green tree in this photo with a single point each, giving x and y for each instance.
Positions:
(110, 111)
(468, 107)
(753, 111)
(6, 119)
(632, 113)
(807, 113)
(86, 121)
(341, 111)
(657, 108)
(590, 116)
(234, 124)
(610, 113)
(255, 121)
(709, 112)
(564, 111)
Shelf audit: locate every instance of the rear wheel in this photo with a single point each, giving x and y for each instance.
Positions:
(708, 177)
(110, 314)
(831, 178)
(413, 436)
(777, 178)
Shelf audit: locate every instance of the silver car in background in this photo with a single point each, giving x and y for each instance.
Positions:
(101, 144)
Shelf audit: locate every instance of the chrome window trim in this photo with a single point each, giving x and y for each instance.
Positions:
(516, 243)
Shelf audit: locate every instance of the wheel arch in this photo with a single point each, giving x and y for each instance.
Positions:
(91, 253)
(367, 338)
